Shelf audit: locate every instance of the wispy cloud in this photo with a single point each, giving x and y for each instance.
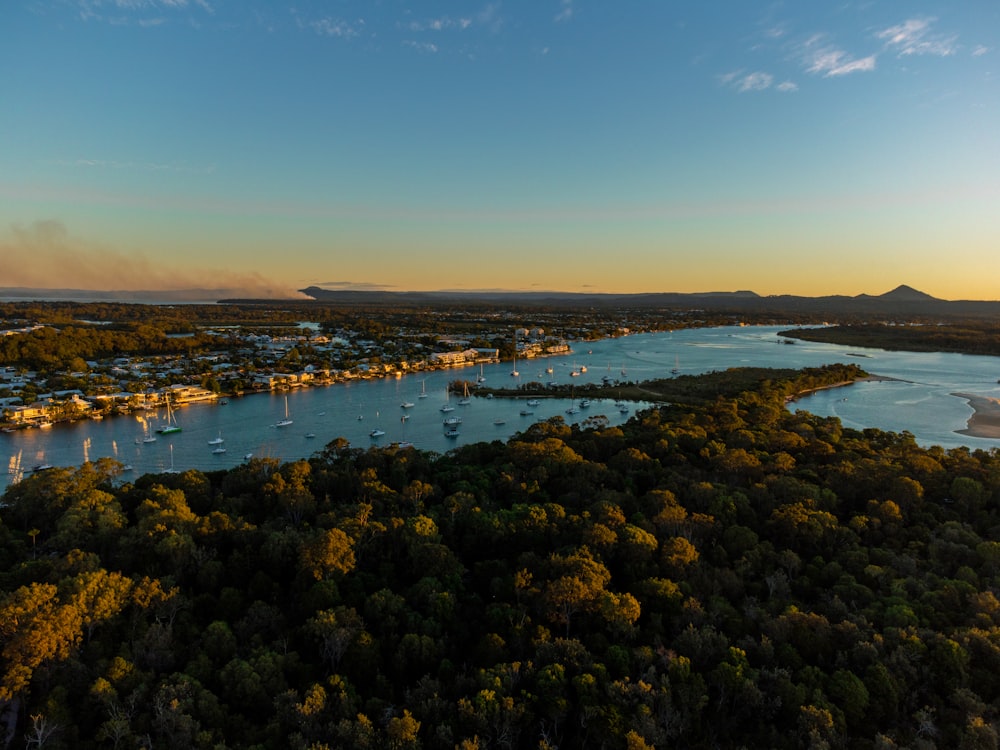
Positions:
(824, 59)
(979, 50)
(420, 46)
(444, 23)
(122, 11)
(565, 11)
(334, 27)
(148, 166)
(755, 81)
(353, 285)
(914, 37)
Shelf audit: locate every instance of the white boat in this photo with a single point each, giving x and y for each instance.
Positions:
(514, 373)
(407, 405)
(526, 412)
(423, 389)
(465, 400)
(218, 449)
(287, 420)
(171, 470)
(572, 410)
(677, 365)
(584, 403)
(446, 406)
(310, 435)
(534, 402)
(452, 421)
(452, 433)
(376, 433)
(499, 421)
(217, 441)
(481, 378)
(147, 437)
(171, 425)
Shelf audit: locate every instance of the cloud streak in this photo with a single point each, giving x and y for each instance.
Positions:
(914, 37)
(565, 11)
(755, 81)
(137, 165)
(369, 286)
(333, 27)
(120, 10)
(829, 61)
(443, 23)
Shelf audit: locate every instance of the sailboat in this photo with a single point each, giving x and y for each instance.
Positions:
(286, 421)
(465, 400)
(218, 443)
(677, 365)
(514, 373)
(481, 378)
(147, 437)
(171, 470)
(423, 389)
(171, 425)
(403, 443)
(446, 406)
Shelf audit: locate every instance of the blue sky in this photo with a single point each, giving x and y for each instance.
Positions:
(804, 148)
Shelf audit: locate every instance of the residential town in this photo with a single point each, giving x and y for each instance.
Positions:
(243, 363)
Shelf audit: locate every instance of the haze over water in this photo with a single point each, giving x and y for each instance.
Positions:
(920, 402)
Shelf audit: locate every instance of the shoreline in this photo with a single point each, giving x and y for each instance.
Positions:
(841, 384)
(985, 419)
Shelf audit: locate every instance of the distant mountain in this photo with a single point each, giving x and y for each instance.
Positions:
(902, 302)
(903, 293)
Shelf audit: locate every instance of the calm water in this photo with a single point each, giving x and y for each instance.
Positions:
(920, 404)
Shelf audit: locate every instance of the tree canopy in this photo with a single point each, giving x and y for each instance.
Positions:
(716, 573)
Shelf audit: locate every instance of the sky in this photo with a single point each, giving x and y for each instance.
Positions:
(574, 145)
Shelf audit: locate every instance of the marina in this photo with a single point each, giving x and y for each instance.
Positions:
(919, 399)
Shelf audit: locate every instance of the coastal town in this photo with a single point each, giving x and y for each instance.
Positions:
(244, 363)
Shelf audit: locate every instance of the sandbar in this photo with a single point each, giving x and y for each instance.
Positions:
(985, 419)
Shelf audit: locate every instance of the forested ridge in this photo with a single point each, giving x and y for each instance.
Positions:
(719, 573)
(967, 337)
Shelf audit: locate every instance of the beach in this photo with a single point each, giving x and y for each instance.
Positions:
(985, 419)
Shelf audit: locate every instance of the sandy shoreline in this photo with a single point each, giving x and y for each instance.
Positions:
(985, 419)
(841, 384)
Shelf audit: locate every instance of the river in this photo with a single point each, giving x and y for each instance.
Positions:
(919, 402)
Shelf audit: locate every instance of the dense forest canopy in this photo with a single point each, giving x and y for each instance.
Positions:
(717, 573)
